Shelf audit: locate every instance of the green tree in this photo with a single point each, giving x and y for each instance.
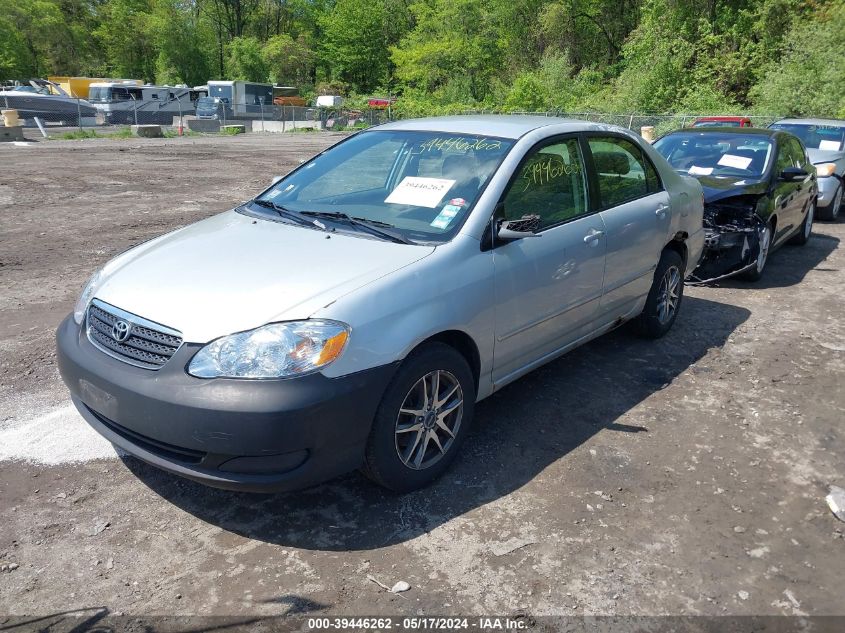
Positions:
(452, 41)
(42, 28)
(182, 42)
(354, 45)
(809, 79)
(244, 60)
(528, 93)
(288, 60)
(15, 58)
(588, 32)
(124, 34)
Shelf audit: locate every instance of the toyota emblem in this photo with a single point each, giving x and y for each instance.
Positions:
(120, 331)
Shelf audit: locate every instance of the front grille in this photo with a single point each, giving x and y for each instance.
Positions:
(146, 344)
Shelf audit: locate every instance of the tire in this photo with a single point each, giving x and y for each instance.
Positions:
(806, 229)
(765, 238)
(406, 460)
(664, 297)
(831, 211)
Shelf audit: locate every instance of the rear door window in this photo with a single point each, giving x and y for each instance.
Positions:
(622, 172)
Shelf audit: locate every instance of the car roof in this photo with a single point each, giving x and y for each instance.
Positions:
(722, 118)
(836, 122)
(501, 125)
(739, 131)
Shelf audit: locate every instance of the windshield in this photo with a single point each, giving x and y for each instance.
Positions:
(420, 184)
(715, 154)
(829, 138)
(716, 124)
(99, 94)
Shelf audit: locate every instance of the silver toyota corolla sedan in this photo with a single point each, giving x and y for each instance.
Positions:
(352, 314)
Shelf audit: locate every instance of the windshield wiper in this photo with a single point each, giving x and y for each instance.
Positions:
(286, 213)
(375, 227)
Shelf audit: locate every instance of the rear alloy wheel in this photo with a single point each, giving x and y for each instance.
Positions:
(422, 419)
(764, 240)
(803, 234)
(664, 298)
(831, 211)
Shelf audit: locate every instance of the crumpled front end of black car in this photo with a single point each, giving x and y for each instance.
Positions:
(732, 231)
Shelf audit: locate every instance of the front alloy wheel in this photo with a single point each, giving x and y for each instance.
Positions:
(808, 221)
(763, 255)
(422, 419)
(764, 239)
(429, 419)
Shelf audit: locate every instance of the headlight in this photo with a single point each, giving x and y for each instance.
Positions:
(278, 350)
(87, 294)
(825, 169)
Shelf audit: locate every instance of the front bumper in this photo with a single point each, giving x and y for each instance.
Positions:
(726, 253)
(254, 435)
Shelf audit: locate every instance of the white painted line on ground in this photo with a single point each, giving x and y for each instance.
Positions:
(59, 436)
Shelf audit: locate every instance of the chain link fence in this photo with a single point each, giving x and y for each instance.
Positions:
(661, 123)
(53, 114)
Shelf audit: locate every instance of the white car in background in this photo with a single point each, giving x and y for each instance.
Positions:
(825, 143)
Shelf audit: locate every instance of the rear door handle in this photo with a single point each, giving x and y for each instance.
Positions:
(593, 236)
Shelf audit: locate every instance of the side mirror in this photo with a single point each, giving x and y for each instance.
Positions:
(526, 226)
(791, 174)
(275, 180)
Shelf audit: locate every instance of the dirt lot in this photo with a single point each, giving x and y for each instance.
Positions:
(685, 476)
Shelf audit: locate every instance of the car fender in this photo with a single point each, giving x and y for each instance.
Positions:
(453, 291)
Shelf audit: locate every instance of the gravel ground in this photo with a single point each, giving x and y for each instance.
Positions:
(684, 476)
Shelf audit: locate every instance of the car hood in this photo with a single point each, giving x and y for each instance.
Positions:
(817, 156)
(232, 272)
(728, 187)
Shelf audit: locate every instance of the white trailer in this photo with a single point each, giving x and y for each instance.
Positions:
(329, 101)
(127, 102)
(236, 100)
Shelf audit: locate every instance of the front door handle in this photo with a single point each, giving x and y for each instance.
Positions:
(593, 236)
(661, 210)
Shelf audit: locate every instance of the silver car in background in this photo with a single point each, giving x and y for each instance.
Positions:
(825, 143)
(352, 314)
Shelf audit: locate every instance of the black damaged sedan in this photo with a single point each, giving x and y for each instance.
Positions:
(760, 192)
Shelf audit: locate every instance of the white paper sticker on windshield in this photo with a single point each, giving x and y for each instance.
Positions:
(830, 146)
(737, 162)
(421, 192)
(700, 171)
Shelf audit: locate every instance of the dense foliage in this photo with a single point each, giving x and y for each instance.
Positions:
(780, 56)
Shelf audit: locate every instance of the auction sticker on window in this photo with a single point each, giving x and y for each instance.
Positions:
(700, 171)
(420, 192)
(737, 162)
(829, 146)
(445, 217)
